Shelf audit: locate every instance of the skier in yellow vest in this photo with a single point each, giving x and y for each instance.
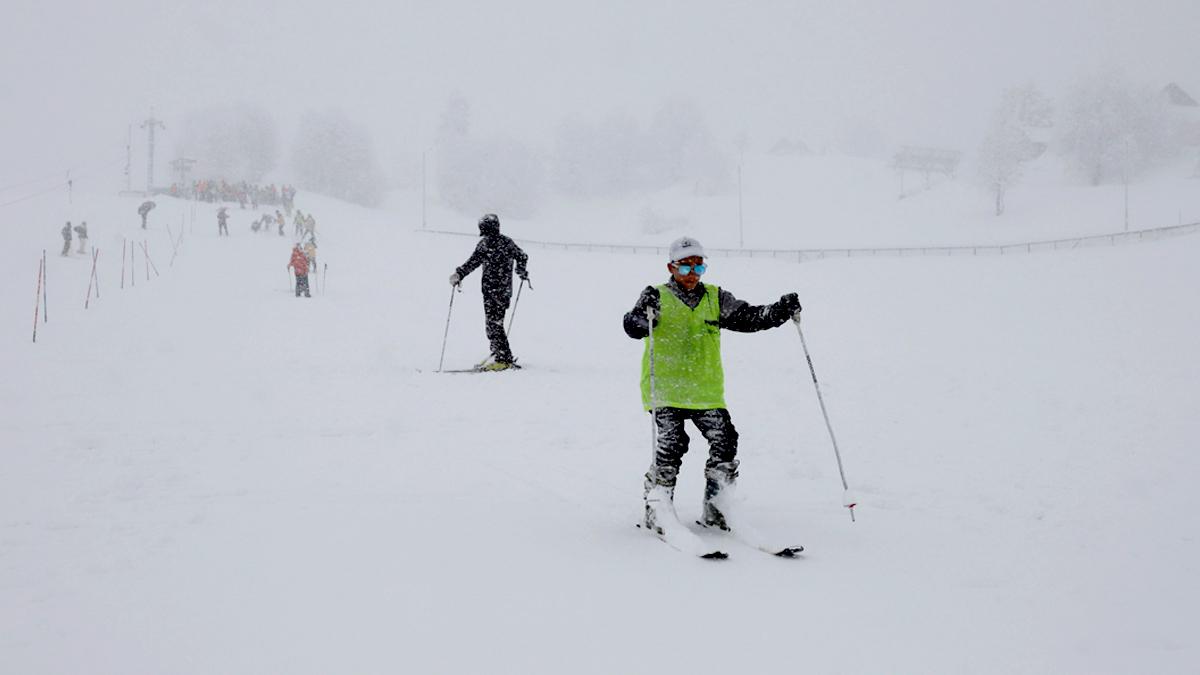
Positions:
(689, 384)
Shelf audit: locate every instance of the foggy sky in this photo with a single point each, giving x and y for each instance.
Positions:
(75, 74)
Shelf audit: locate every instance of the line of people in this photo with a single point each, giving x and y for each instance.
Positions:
(242, 192)
(305, 225)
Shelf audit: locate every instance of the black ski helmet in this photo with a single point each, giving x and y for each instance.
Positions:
(489, 224)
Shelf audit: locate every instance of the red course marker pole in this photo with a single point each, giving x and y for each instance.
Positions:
(45, 305)
(91, 279)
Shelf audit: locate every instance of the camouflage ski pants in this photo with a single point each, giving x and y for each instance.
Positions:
(493, 311)
(716, 427)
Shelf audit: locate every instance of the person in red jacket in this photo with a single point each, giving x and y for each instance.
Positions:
(299, 263)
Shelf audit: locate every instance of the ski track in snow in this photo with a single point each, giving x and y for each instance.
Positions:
(203, 474)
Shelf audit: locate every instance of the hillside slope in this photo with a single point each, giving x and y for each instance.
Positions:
(204, 474)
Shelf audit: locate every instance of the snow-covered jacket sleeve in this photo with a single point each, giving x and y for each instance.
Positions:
(520, 256)
(475, 260)
(742, 317)
(636, 325)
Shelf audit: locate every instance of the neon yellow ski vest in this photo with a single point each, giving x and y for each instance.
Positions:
(687, 354)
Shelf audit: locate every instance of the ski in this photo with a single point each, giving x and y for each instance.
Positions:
(682, 542)
(478, 369)
(753, 540)
(662, 521)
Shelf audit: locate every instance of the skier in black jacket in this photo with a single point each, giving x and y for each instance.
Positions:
(496, 253)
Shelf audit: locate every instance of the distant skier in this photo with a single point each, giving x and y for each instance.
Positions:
(689, 382)
(310, 252)
(81, 231)
(66, 235)
(222, 222)
(144, 210)
(280, 221)
(300, 264)
(496, 253)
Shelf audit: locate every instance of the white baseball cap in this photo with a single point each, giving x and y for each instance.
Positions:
(685, 247)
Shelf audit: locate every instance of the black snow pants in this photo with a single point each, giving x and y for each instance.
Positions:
(494, 307)
(302, 285)
(716, 427)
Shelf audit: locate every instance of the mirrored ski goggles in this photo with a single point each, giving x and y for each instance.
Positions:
(688, 269)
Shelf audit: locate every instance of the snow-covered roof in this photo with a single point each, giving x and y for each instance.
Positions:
(1177, 96)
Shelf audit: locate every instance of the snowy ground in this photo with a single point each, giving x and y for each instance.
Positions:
(203, 474)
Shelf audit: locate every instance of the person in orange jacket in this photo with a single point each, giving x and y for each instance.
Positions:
(299, 263)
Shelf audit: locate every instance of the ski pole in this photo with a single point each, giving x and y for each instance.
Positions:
(653, 388)
(446, 335)
(324, 277)
(123, 256)
(848, 498)
(512, 317)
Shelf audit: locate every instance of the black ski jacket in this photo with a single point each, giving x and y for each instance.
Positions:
(496, 253)
(736, 315)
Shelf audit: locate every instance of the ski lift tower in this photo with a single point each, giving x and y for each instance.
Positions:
(150, 124)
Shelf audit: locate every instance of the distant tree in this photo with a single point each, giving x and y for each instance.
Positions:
(683, 150)
(333, 155)
(474, 175)
(235, 142)
(598, 160)
(455, 122)
(1111, 129)
(1009, 144)
(617, 156)
(503, 176)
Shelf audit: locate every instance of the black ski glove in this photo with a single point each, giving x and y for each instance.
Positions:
(649, 299)
(787, 307)
(637, 326)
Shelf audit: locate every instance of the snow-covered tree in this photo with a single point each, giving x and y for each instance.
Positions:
(235, 142)
(598, 160)
(1010, 141)
(474, 175)
(1112, 130)
(683, 150)
(618, 156)
(333, 155)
